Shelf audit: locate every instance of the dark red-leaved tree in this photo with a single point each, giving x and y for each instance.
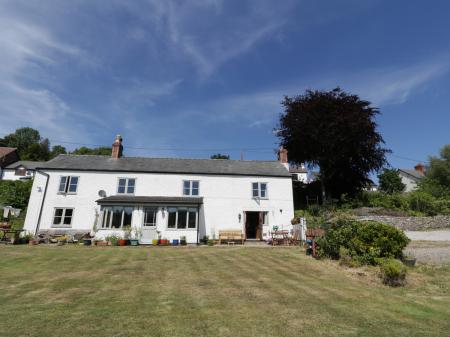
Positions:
(335, 131)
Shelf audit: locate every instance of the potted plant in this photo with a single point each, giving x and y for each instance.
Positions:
(183, 240)
(164, 242)
(126, 235)
(61, 240)
(87, 241)
(136, 236)
(409, 261)
(31, 239)
(27, 237)
(210, 242)
(205, 239)
(113, 239)
(101, 243)
(175, 242)
(155, 242)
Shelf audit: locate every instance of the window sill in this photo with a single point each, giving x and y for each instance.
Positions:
(61, 226)
(181, 229)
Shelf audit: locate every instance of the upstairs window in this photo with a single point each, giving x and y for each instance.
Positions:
(191, 187)
(126, 186)
(259, 190)
(68, 184)
(63, 217)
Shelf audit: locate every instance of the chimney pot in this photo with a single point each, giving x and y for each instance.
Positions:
(117, 147)
(420, 168)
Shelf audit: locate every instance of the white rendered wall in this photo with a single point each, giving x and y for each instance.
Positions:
(9, 174)
(410, 184)
(224, 198)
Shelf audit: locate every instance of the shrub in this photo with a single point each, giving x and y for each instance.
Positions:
(392, 272)
(346, 259)
(365, 240)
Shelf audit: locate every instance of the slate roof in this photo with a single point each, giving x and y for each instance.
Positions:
(131, 199)
(166, 165)
(30, 165)
(414, 173)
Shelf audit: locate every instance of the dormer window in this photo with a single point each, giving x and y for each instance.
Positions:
(68, 185)
(191, 187)
(126, 186)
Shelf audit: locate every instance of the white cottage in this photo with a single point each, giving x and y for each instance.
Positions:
(20, 170)
(162, 197)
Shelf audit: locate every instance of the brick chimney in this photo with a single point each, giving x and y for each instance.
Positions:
(283, 157)
(420, 168)
(117, 147)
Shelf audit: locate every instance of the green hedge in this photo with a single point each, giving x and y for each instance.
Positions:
(364, 241)
(415, 203)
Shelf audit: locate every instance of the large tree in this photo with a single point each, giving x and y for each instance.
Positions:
(437, 176)
(102, 151)
(29, 144)
(220, 156)
(337, 132)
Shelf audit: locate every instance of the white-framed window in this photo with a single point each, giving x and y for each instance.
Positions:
(68, 185)
(150, 216)
(117, 216)
(259, 190)
(191, 187)
(63, 217)
(182, 218)
(126, 185)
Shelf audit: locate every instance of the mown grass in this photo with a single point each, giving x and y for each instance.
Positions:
(209, 291)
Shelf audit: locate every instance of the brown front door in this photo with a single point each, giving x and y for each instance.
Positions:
(253, 225)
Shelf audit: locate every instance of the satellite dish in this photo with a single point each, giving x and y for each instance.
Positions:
(102, 193)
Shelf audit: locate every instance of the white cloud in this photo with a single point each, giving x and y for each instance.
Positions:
(395, 85)
(209, 35)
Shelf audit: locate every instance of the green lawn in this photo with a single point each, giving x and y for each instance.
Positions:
(209, 291)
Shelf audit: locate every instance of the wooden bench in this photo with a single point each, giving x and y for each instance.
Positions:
(231, 236)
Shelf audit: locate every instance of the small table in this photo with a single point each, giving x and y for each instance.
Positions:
(4, 238)
(280, 237)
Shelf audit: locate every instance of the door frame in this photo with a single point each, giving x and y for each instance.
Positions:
(259, 228)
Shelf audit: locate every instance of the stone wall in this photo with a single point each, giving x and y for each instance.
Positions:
(411, 223)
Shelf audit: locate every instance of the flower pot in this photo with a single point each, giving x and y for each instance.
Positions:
(175, 242)
(164, 242)
(409, 261)
(32, 242)
(183, 242)
(155, 242)
(134, 242)
(122, 242)
(102, 243)
(87, 242)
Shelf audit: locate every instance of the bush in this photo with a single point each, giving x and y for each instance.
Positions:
(365, 240)
(392, 272)
(346, 259)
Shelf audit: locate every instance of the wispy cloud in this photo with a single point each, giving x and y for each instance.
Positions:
(28, 51)
(192, 31)
(395, 85)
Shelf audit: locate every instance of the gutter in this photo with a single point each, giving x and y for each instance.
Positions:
(43, 200)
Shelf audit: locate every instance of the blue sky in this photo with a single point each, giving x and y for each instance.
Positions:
(191, 78)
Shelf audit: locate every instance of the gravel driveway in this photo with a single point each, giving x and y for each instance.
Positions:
(441, 235)
(431, 247)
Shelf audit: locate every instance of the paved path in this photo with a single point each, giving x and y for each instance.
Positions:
(441, 235)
